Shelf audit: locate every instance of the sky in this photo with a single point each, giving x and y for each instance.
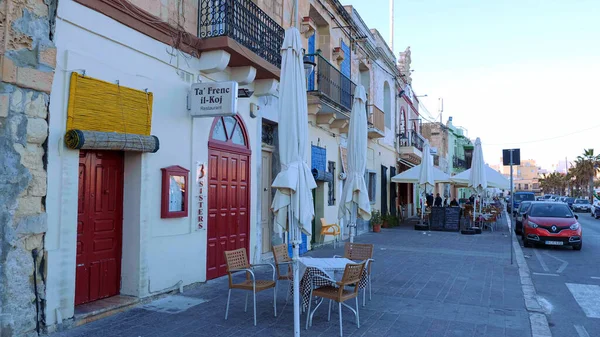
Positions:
(516, 73)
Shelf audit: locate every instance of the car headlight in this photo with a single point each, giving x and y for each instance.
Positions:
(574, 226)
(532, 224)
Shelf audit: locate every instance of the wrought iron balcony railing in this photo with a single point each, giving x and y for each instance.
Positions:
(246, 23)
(459, 163)
(412, 139)
(330, 83)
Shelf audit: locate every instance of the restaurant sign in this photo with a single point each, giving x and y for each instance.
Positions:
(213, 99)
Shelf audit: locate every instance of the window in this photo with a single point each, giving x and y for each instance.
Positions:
(526, 186)
(371, 180)
(518, 186)
(387, 105)
(331, 190)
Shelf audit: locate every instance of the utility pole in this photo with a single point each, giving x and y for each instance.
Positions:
(392, 25)
(512, 204)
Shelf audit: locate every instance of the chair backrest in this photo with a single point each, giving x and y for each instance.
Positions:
(352, 275)
(281, 255)
(236, 259)
(358, 251)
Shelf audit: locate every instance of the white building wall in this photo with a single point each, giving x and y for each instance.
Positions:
(158, 254)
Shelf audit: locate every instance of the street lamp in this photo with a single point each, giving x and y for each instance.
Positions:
(309, 66)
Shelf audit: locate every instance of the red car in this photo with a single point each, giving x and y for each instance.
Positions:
(551, 223)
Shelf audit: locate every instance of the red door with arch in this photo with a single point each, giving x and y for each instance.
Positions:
(99, 225)
(228, 192)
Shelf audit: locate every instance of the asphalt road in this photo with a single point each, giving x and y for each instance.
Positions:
(568, 282)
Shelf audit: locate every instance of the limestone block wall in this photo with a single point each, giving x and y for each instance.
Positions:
(27, 62)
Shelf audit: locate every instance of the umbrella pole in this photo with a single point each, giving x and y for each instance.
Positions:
(352, 226)
(295, 230)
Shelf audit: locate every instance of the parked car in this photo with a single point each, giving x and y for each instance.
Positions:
(539, 199)
(520, 197)
(569, 201)
(582, 205)
(552, 224)
(519, 220)
(595, 205)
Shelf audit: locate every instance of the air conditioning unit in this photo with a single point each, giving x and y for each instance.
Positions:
(342, 176)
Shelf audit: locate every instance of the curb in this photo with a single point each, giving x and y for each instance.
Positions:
(537, 316)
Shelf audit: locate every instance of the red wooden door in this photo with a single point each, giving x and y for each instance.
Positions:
(99, 225)
(228, 193)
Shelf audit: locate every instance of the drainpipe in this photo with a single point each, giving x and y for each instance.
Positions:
(34, 255)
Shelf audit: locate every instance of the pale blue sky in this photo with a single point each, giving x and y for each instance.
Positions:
(510, 71)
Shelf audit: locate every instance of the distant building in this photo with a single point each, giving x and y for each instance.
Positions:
(525, 176)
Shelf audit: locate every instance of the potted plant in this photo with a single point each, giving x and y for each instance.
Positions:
(376, 221)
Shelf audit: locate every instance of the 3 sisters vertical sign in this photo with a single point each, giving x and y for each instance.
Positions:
(212, 99)
(201, 181)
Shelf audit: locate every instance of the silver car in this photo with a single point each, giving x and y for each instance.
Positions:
(582, 205)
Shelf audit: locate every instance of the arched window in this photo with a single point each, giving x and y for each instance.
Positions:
(387, 105)
(229, 131)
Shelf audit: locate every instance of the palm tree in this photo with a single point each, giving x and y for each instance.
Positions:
(553, 183)
(587, 165)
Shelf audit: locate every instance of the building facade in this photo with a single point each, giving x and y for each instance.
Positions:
(460, 154)
(129, 192)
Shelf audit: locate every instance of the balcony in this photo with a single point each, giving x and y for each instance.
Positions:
(376, 121)
(330, 93)
(411, 147)
(243, 30)
(459, 164)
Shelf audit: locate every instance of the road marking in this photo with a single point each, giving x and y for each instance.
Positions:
(542, 263)
(581, 331)
(564, 263)
(588, 298)
(545, 274)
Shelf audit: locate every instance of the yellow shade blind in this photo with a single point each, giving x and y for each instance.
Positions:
(96, 105)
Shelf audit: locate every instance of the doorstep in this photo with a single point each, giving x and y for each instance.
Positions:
(89, 312)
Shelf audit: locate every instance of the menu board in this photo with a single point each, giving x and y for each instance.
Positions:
(437, 218)
(452, 219)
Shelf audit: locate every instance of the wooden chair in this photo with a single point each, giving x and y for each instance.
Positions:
(360, 252)
(330, 229)
(237, 261)
(337, 292)
(282, 258)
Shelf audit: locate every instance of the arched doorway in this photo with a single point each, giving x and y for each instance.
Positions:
(228, 192)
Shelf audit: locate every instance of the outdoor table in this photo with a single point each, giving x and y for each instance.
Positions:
(327, 267)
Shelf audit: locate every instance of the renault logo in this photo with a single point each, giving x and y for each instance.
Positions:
(554, 228)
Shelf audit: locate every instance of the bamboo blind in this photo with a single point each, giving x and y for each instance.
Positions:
(96, 105)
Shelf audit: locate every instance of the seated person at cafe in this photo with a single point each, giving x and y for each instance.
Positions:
(438, 200)
(429, 200)
(454, 202)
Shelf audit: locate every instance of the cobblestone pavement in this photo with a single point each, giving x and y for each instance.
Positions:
(436, 284)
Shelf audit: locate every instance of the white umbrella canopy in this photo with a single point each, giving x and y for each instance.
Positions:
(355, 198)
(426, 172)
(295, 181)
(411, 176)
(477, 175)
(293, 199)
(494, 179)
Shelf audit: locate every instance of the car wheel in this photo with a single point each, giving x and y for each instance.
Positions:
(578, 247)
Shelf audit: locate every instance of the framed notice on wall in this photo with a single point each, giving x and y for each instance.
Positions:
(175, 189)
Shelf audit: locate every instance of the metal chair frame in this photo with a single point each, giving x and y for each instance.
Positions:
(340, 284)
(361, 252)
(282, 258)
(241, 260)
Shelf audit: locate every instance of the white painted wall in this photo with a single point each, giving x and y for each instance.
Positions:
(157, 253)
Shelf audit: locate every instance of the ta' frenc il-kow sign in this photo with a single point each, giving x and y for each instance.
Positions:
(214, 99)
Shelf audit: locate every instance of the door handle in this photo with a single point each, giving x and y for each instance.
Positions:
(81, 265)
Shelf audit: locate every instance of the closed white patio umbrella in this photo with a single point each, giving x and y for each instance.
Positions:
(477, 176)
(426, 177)
(355, 199)
(293, 202)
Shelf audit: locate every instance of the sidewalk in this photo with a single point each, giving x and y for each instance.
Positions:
(437, 284)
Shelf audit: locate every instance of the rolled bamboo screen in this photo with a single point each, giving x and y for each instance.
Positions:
(96, 105)
(94, 140)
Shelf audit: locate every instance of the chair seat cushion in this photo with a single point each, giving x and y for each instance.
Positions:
(260, 285)
(331, 292)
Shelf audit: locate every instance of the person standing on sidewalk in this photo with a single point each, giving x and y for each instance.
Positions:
(438, 201)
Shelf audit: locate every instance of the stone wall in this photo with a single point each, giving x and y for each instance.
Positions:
(27, 62)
